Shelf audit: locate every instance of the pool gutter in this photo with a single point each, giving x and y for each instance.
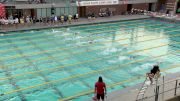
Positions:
(82, 21)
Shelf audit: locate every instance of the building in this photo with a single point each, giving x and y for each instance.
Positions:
(48, 8)
(117, 7)
(39, 8)
(169, 6)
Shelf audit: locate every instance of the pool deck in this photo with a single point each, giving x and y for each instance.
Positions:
(130, 93)
(169, 19)
(81, 21)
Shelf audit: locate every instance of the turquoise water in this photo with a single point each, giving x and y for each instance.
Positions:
(64, 63)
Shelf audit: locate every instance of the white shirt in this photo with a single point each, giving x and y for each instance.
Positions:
(55, 18)
(77, 16)
(16, 20)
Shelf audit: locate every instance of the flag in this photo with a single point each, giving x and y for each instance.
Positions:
(2, 10)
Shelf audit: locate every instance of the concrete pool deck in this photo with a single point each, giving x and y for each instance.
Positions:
(130, 93)
(38, 26)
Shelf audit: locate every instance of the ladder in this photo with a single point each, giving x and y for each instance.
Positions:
(143, 89)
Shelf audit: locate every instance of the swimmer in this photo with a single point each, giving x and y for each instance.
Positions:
(125, 48)
(75, 33)
(132, 57)
(90, 42)
(1, 94)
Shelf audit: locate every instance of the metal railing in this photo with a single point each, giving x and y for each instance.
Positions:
(163, 91)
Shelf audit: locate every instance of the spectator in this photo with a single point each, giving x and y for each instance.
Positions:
(77, 16)
(74, 17)
(22, 20)
(27, 19)
(62, 19)
(16, 20)
(55, 19)
(65, 18)
(93, 16)
(70, 18)
(89, 17)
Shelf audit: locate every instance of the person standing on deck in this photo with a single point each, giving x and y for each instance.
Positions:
(100, 89)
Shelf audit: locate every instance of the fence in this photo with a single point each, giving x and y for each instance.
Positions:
(162, 91)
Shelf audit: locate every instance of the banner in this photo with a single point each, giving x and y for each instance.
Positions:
(2, 10)
(93, 3)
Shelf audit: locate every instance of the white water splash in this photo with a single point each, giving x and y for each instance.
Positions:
(68, 29)
(112, 61)
(122, 58)
(54, 31)
(2, 34)
(110, 50)
(31, 31)
(142, 67)
(78, 37)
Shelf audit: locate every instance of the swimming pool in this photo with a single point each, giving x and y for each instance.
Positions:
(64, 63)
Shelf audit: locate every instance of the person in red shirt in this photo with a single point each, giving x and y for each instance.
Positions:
(100, 89)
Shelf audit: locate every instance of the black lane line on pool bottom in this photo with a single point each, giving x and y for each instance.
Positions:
(11, 81)
(36, 68)
(71, 56)
(8, 74)
(55, 60)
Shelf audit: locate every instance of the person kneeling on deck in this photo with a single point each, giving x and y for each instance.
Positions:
(93, 16)
(70, 19)
(62, 19)
(100, 89)
(155, 73)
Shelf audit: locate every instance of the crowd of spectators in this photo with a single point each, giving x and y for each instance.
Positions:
(14, 20)
(105, 13)
(28, 19)
(36, 1)
(166, 14)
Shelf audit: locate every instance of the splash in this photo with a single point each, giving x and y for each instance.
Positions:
(32, 32)
(142, 67)
(54, 31)
(2, 34)
(122, 58)
(110, 50)
(68, 29)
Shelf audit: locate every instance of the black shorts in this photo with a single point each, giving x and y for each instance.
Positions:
(100, 96)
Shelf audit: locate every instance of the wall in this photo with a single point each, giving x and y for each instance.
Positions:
(143, 6)
(171, 6)
(46, 12)
(171, 1)
(26, 12)
(117, 9)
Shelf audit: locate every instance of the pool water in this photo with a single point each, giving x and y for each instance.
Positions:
(64, 63)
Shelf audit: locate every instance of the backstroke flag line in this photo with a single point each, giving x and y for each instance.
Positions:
(2, 10)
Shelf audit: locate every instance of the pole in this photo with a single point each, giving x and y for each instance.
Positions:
(175, 87)
(157, 88)
(157, 93)
(163, 90)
